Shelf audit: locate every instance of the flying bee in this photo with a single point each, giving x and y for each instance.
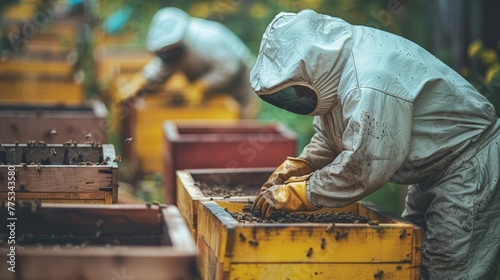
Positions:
(118, 158)
(53, 152)
(53, 132)
(88, 136)
(128, 140)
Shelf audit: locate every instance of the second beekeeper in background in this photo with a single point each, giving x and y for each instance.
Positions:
(212, 57)
(386, 110)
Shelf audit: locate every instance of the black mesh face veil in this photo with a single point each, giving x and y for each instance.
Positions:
(171, 56)
(297, 99)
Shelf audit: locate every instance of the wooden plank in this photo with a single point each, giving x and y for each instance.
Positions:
(61, 179)
(41, 91)
(323, 271)
(24, 122)
(52, 67)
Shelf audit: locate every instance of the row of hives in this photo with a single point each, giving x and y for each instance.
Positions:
(193, 230)
(202, 238)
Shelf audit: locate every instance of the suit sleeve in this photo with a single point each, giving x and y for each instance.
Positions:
(156, 73)
(376, 142)
(319, 152)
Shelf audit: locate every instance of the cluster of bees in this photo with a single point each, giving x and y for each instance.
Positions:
(74, 159)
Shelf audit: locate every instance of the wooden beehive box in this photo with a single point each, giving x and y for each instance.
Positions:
(195, 186)
(60, 173)
(144, 123)
(24, 122)
(63, 241)
(41, 78)
(218, 144)
(228, 249)
(20, 11)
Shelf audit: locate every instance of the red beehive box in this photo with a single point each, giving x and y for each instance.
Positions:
(218, 144)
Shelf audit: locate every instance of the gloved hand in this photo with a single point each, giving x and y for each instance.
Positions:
(291, 196)
(292, 166)
(194, 94)
(130, 89)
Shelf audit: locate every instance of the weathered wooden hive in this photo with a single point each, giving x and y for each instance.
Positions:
(67, 241)
(71, 172)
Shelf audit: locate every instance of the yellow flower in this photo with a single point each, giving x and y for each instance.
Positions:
(488, 56)
(474, 48)
(492, 73)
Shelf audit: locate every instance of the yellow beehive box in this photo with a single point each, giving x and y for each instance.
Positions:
(54, 66)
(144, 123)
(95, 242)
(21, 11)
(35, 79)
(62, 173)
(192, 185)
(228, 249)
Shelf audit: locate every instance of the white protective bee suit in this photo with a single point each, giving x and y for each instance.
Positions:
(212, 55)
(386, 110)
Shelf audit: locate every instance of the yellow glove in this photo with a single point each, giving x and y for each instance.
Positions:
(133, 87)
(194, 94)
(290, 167)
(292, 196)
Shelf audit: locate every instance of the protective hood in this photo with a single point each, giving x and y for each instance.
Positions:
(167, 29)
(303, 50)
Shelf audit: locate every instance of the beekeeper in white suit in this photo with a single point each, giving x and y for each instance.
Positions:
(212, 57)
(385, 110)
